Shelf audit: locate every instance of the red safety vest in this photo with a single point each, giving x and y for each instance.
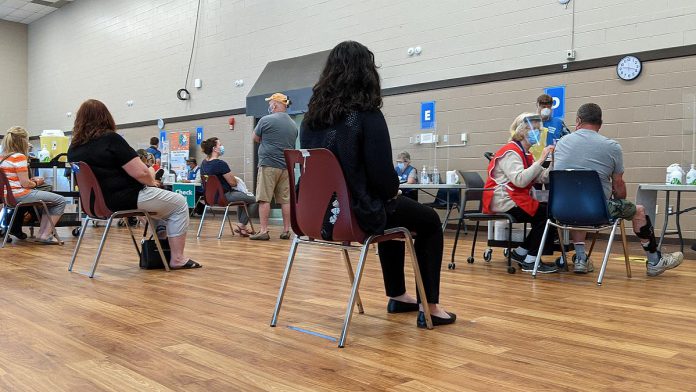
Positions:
(521, 196)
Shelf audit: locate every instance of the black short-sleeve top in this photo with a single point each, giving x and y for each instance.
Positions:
(106, 156)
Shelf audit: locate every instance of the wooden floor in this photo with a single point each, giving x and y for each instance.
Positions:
(208, 329)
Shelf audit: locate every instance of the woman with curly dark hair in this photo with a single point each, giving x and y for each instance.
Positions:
(344, 116)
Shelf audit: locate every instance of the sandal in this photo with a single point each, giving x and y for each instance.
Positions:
(190, 264)
(242, 231)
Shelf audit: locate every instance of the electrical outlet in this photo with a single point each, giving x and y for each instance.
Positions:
(570, 54)
(657, 209)
(445, 138)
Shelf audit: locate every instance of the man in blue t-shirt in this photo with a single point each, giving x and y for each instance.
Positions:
(154, 142)
(556, 127)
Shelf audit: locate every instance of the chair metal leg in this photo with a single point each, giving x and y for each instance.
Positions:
(456, 239)
(9, 227)
(200, 225)
(353, 293)
(135, 243)
(473, 243)
(420, 287)
(246, 210)
(563, 250)
(349, 267)
(606, 254)
(165, 262)
(224, 218)
(284, 281)
(624, 243)
(541, 247)
(79, 242)
(229, 221)
(594, 240)
(101, 247)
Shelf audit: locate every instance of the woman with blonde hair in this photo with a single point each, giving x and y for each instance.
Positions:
(512, 172)
(14, 164)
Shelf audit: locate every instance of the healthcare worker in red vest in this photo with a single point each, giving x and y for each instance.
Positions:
(512, 174)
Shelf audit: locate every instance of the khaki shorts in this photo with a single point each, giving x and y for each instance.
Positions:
(272, 182)
(621, 208)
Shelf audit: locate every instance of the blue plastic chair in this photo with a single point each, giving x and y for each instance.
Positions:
(577, 202)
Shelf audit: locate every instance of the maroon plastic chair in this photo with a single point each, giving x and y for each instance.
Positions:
(214, 196)
(94, 206)
(322, 182)
(7, 198)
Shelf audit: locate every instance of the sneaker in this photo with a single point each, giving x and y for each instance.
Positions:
(667, 261)
(516, 256)
(285, 235)
(260, 236)
(583, 266)
(543, 268)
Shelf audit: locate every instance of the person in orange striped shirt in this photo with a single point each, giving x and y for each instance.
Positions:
(15, 148)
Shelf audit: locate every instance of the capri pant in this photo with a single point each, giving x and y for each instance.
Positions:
(54, 202)
(171, 209)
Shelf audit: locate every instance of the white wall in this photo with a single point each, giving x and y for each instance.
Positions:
(13, 75)
(139, 50)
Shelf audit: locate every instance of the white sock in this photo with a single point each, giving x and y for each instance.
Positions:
(530, 259)
(521, 251)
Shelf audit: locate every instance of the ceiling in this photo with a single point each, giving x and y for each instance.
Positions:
(27, 11)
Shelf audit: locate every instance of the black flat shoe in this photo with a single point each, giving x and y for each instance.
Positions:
(394, 306)
(436, 320)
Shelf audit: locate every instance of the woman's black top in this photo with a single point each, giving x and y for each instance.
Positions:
(362, 145)
(106, 155)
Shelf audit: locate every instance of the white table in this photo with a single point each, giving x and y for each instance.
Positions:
(449, 206)
(647, 196)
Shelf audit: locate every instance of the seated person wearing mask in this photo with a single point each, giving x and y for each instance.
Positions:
(194, 176)
(536, 149)
(214, 166)
(586, 149)
(512, 173)
(407, 174)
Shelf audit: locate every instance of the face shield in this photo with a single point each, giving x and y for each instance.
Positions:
(534, 134)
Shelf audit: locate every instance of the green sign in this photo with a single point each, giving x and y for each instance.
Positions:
(186, 190)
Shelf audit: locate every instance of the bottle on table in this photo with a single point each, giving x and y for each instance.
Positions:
(424, 175)
(435, 176)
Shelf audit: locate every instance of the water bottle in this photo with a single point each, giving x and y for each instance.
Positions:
(691, 176)
(436, 175)
(424, 175)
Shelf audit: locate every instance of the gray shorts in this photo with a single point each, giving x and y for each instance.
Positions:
(170, 208)
(55, 203)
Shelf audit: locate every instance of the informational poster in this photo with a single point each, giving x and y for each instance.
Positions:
(179, 143)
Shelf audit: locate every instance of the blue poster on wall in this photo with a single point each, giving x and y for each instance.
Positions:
(163, 136)
(199, 135)
(427, 115)
(557, 93)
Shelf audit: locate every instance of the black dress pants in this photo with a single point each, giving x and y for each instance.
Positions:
(425, 223)
(538, 222)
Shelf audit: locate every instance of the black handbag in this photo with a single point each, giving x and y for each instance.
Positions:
(150, 257)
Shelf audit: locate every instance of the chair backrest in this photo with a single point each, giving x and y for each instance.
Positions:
(473, 192)
(488, 155)
(213, 192)
(321, 182)
(6, 195)
(91, 196)
(576, 197)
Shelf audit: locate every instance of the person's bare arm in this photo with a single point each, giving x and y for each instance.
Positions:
(138, 170)
(257, 138)
(229, 177)
(618, 186)
(26, 182)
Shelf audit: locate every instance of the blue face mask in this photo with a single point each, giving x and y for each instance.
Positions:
(401, 166)
(222, 150)
(533, 136)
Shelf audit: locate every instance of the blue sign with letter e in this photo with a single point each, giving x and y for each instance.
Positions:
(199, 135)
(427, 115)
(557, 93)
